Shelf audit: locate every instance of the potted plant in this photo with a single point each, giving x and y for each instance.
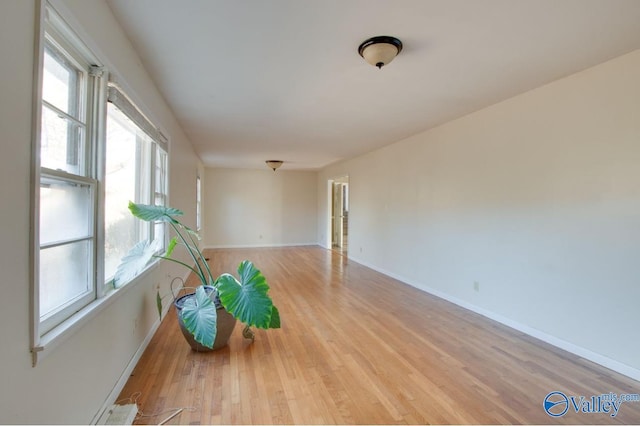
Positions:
(216, 300)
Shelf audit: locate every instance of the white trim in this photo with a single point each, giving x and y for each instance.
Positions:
(241, 246)
(65, 12)
(34, 187)
(53, 29)
(198, 201)
(118, 97)
(58, 23)
(126, 373)
(329, 228)
(587, 354)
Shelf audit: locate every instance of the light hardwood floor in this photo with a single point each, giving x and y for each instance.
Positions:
(357, 347)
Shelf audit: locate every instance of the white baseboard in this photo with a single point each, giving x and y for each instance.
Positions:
(122, 381)
(241, 246)
(119, 415)
(587, 354)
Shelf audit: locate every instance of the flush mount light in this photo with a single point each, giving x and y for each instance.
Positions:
(274, 164)
(380, 50)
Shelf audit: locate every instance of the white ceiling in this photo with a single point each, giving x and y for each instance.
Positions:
(253, 80)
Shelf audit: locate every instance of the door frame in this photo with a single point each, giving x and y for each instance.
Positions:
(344, 179)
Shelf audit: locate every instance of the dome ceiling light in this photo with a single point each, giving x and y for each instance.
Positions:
(274, 164)
(380, 50)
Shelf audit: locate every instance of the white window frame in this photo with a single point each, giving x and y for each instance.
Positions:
(46, 335)
(157, 188)
(198, 203)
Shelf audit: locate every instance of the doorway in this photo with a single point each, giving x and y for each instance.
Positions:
(339, 214)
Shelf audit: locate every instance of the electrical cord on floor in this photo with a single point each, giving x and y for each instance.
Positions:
(133, 399)
(178, 411)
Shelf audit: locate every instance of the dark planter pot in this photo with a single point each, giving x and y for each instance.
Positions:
(226, 323)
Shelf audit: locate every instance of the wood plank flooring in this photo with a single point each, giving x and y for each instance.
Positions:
(357, 347)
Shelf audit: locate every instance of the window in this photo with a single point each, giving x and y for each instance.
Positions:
(95, 151)
(135, 170)
(67, 195)
(198, 203)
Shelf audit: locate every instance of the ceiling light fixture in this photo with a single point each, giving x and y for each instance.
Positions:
(380, 50)
(274, 164)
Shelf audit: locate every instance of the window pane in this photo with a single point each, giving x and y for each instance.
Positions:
(161, 172)
(130, 175)
(62, 145)
(160, 198)
(143, 188)
(159, 228)
(65, 275)
(61, 82)
(120, 236)
(65, 210)
(158, 233)
(120, 188)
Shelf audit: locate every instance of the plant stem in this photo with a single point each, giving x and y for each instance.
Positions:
(204, 261)
(176, 261)
(190, 250)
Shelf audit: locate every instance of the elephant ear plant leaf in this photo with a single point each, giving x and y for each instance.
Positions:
(135, 261)
(200, 317)
(246, 298)
(150, 213)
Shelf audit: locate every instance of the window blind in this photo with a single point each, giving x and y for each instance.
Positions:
(122, 101)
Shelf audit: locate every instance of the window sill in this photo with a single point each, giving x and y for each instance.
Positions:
(66, 329)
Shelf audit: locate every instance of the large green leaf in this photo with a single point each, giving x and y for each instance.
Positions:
(247, 299)
(134, 262)
(200, 317)
(151, 213)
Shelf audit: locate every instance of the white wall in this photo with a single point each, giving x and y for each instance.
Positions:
(255, 208)
(74, 380)
(536, 198)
